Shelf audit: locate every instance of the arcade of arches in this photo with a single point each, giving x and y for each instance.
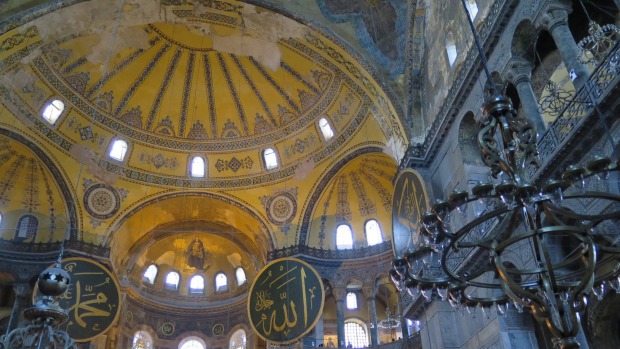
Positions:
(184, 144)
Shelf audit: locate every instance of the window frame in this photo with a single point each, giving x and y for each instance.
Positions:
(145, 278)
(235, 334)
(330, 127)
(124, 156)
(338, 247)
(348, 297)
(188, 339)
(364, 328)
(245, 276)
(50, 103)
(193, 290)
(378, 227)
(168, 286)
(215, 285)
(190, 166)
(32, 227)
(265, 161)
(452, 53)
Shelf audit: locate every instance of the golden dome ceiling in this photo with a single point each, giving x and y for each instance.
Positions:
(225, 81)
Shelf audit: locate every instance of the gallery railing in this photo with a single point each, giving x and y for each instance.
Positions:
(361, 252)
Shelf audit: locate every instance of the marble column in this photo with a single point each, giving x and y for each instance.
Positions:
(370, 294)
(320, 332)
(555, 20)
(21, 291)
(520, 74)
(340, 294)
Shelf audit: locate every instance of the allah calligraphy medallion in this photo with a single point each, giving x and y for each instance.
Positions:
(92, 300)
(286, 300)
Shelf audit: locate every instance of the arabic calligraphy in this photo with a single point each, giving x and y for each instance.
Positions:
(286, 300)
(92, 300)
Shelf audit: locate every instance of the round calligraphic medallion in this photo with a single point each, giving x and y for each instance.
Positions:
(218, 329)
(286, 300)
(281, 208)
(409, 204)
(92, 300)
(167, 328)
(101, 201)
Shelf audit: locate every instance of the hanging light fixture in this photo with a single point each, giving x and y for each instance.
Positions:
(537, 246)
(602, 39)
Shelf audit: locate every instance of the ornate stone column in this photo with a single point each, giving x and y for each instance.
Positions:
(555, 20)
(21, 292)
(340, 294)
(520, 74)
(370, 293)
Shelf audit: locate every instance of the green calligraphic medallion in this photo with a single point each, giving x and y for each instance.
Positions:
(286, 300)
(92, 300)
(409, 204)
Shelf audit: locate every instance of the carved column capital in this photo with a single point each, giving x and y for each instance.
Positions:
(21, 290)
(554, 16)
(339, 293)
(519, 70)
(370, 292)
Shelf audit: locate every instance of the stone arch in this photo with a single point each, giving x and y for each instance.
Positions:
(468, 140)
(524, 41)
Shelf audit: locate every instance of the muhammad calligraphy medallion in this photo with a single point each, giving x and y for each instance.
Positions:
(286, 300)
(92, 300)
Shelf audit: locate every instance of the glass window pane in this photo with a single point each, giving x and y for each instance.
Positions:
(326, 129)
(221, 282)
(344, 237)
(150, 273)
(192, 343)
(53, 110)
(351, 301)
(271, 160)
(118, 150)
(142, 340)
(172, 280)
(196, 284)
(373, 233)
(355, 334)
(472, 8)
(198, 167)
(238, 340)
(240, 274)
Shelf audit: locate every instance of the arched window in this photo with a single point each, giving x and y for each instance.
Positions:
(27, 228)
(238, 340)
(355, 334)
(451, 48)
(192, 343)
(351, 301)
(271, 158)
(221, 282)
(172, 280)
(52, 111)
(118, 150)
(142, 340)
(240, 274)
(0, 219)
(472, 8)
(197, 167)
(196, 284)
(326, 129)
(344, 237)
(149, 274)
(373, 232)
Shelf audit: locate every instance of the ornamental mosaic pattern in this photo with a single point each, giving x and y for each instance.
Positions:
(17, 39)
(158, 161)
(234, 164)
(281, 208)
(102, 201)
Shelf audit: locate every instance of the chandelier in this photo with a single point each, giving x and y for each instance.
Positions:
(390, 322)
(44, 316)
(539, 246)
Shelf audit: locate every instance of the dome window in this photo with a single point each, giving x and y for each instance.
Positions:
(351, 301)
(149, 274)
(240, 274)
(172, 281)
(197, 167)
(221, 283)
(472, 8)
(271, 158)
(326, 129)
(142, 340)
(373, 232)
(451, 49)
(344, 237)
(118, 150)
(192, 343)
(196, 284)
(238, 340)
(27, 228)
(52, 111)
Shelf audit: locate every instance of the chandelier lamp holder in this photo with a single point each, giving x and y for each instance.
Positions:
(543, 247)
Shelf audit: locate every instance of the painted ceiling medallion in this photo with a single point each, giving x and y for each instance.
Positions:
(281, 208)
(101, 201)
